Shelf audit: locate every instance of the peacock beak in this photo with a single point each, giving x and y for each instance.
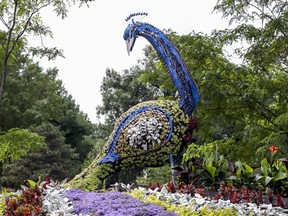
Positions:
(130, 43)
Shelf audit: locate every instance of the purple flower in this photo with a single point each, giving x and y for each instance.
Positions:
(112, 204)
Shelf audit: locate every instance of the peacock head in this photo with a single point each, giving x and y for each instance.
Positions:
(130, 33)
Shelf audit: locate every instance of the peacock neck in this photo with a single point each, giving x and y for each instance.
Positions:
(189, 94)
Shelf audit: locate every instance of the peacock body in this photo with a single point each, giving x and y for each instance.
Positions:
(151, 133)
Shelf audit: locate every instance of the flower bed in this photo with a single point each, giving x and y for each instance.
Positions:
(51, 199)
(198, 203)
(137, 202)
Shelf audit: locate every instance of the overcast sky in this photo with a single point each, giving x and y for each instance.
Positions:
(92, 39)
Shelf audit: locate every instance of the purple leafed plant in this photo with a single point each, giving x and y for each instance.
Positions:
(112, 203)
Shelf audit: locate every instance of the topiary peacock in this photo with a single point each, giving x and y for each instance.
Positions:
(151, 133)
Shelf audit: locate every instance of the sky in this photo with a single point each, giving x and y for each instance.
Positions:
(92, 39)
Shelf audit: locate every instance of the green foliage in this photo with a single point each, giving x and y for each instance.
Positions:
(207, 163)
(279, 138)
(244, 175)
(21, 19)
(212, 171)
(255, 96)
(56, 159)
(155, 175)
(266, 48)
(32, 95)
(35, 96)
(243, 103)
(197, 152)
(223, 147)
(17, 143)
(120, 92)
(215, 168)
(273, 175)
(97, 149)
(76, 126)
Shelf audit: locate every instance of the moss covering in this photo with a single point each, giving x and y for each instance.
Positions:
(2, 204)
(91, 178)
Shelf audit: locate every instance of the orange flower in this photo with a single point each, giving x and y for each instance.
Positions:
(273, 149)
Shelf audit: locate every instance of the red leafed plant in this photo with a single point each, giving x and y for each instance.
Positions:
(29, 202)
(244, 194)
(185, 188)
(171, 187)
(153, 187)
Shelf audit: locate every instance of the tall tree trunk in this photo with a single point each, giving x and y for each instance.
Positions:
(2, 87)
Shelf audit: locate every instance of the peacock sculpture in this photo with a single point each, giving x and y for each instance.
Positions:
(151, 133)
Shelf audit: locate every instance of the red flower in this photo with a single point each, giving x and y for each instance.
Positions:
(273, 149)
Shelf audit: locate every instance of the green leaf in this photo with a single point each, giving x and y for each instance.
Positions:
(239, 172)
(211, 170)
(280, 175)
(31, 183)
(4, 192)
(276, 164)
(267, 180)
(16, 143)
(247, 168)
(258, 177)
(209, 160)
(265, 167)
(233, 178)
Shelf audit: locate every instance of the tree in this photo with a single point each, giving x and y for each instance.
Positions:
(57, 160)
(263, 26)
(30, 96)
(259, 83)
(21, 18)
(34, 99)
(16, 143)
(243, 107)
(34, 96)
(120, 92)
(76, 126)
